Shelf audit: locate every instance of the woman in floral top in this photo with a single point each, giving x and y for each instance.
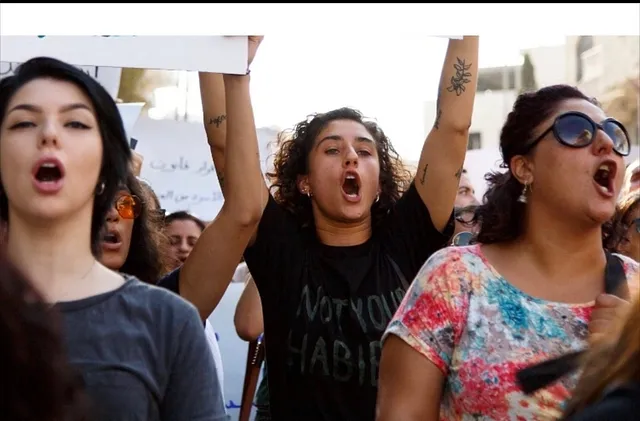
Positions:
(476, 315)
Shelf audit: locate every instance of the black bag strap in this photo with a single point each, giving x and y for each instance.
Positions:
(543, 374)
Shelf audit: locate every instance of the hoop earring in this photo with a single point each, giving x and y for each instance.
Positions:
(523, 196)
(100, 189)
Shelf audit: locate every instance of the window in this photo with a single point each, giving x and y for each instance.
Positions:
(475, 141)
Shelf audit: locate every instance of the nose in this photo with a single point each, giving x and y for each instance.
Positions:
(49, 135)
(602, 144)
(184, 247)
(351, 158)
(112, 215)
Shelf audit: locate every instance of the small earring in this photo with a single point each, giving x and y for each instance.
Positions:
(100, 189)
(523, 196)
(308, 194)
(377, 198)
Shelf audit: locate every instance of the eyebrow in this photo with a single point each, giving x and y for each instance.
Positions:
(36, 109)
(340, 138)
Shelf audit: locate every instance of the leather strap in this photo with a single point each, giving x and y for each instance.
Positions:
(255, 357)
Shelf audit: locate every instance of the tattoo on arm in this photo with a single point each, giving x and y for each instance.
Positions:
(436, 124)
(217, 120)
(459, 173)
(461, 77)
(424, 174)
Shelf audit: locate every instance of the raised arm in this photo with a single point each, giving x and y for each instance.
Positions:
(444, 150)
(214, 115)
(207, 272)
(248, 317)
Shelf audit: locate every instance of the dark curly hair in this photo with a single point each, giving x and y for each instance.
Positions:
(37, 383)
(116, 155)
(147, 253)
(292, 160)
(501, 216)
(620, 221)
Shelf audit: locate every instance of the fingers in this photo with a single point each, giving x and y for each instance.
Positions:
(609, 301)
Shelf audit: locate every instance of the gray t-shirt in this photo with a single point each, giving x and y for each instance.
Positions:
(143, 356)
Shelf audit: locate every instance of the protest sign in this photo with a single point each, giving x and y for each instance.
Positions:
(217, 54)
(130, 112)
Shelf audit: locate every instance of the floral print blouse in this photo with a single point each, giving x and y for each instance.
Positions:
(479, 330)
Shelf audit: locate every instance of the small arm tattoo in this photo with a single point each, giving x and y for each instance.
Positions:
(436, 124)
(424, 174)
(217, 120)
(461, 77)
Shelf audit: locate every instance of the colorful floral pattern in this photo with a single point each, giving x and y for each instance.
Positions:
(480, 330)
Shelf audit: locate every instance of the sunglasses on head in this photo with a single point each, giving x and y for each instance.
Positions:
(577, 130)
(128, 206)
(462, 238)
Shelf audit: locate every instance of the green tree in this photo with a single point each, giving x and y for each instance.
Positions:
(528, 75)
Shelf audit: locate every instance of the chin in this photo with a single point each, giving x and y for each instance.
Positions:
(111, 260)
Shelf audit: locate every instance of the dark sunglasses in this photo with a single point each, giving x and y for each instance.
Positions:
(577, 130)
(159, 213)
(462, 238)
(128, 206)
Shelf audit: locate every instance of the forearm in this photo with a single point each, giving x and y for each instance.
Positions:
(458, 83)
(248, 316)
(444, 150)
(246, 191)
(215, 118)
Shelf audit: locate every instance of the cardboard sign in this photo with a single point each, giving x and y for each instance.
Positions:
(217, 54)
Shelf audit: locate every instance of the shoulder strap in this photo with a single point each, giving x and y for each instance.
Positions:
(543, 374)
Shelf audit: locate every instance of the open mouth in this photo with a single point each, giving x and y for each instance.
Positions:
(111, 238)
(604, 176)
(351, 185)
(48, 172)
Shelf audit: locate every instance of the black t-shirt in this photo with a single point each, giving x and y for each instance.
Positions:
(325, 308)
(143, 356)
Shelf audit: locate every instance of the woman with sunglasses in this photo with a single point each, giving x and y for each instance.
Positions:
(141, 351)
(133, 242)
(475, 315)
(625, 238)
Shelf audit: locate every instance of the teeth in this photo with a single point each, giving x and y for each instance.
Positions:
(48, 165)
(351, 177)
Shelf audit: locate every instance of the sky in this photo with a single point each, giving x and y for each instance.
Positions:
(387, 77)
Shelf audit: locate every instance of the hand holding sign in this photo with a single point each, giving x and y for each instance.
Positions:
(254, 43)
(136, 163)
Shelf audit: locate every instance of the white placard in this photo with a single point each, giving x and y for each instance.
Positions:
(178, 164)
(109, 77)
(218, 54)
(130, 113)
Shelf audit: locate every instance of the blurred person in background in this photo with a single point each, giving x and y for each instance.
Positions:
(625, 233)
(465, 205)
(632, 177)
(609, 387)
(36, 381)
(183, 231)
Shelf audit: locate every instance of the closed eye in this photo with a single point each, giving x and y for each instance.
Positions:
(22, 125)
(77, 125)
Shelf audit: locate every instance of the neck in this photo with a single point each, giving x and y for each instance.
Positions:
(562, 247)
(339, 234)
(55, 255)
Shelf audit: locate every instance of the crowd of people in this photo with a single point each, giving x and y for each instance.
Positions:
(378, 295)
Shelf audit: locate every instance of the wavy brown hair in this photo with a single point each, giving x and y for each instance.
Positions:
(147, 258)
(614, 361)
(37, 383)
(292, 160)
(620, 221)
